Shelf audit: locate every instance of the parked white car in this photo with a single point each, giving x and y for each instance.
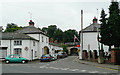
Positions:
(54, 55)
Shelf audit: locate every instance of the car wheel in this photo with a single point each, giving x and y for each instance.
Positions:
(7, 61)
(40, 60)
(49, 60)
(23, 61)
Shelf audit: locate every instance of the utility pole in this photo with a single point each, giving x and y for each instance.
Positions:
(81, 38)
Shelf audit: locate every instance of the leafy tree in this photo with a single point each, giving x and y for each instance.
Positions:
(104, 30)
(68, 35)
(65, 48)
(114, 24)
(44, 29)
(51, 30)
(12, 27)
(110, 28)
(59, 35)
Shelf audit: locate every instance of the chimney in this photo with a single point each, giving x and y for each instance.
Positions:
(51, 40)
(94, 20)
(55, 41)
(31, 23)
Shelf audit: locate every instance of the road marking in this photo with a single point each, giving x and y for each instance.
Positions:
(83, 70)
(75, 58)
(107, 68)
(74, 70)
(56, 68)
(93, 71)
(42, 66)
(51, 67)
(99, 66)
(64, 68)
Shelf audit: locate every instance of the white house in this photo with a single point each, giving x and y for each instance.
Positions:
(54, 48)
(29, 42)
(90, 34)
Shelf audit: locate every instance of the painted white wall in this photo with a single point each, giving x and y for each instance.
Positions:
(43, 44)
(25, 43)
(34, 48)
(91, 38)
(53, 48)
(6, 43)
(39, 46)
(35, 36)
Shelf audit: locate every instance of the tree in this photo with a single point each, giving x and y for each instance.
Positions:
(65, 48)
(114, 24)
(12, 27)
(51, 30)
(110, 28)
(68, 35)
(59, 35)
(104, 30)
(44, 29)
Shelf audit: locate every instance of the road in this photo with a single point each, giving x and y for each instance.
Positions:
(65, 65)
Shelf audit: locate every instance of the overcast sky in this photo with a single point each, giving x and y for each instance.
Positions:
(63, 13)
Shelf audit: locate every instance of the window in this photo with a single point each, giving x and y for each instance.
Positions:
(19, 42)
(16, 57)
(11, 56)
(35, 53)
(33, 43)
(42, 39)
(17, 51)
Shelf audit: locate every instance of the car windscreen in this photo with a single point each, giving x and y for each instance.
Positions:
(47, 55)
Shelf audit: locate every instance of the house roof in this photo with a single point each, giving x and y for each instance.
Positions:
(92, 28)
(31, 30)
(13, 35)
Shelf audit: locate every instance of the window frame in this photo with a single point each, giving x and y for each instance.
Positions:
(18, 51)
(42, 39)
(35, 53)
(34, 43)
(17, 42)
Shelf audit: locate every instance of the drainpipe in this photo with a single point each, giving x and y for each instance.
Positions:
(10, 46)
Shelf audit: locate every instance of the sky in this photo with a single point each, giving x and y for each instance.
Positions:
(65, 14)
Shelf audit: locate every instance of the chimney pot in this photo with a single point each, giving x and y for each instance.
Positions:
(31, 23)
(94, 20)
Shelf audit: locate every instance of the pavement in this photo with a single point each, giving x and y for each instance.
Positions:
(105, 66)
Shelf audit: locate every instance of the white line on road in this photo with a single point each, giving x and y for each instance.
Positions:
(74, 69)
(42, 66)
(93, 71)
(51, 67)
(56, 68)
(82, 70)
(64, 68)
